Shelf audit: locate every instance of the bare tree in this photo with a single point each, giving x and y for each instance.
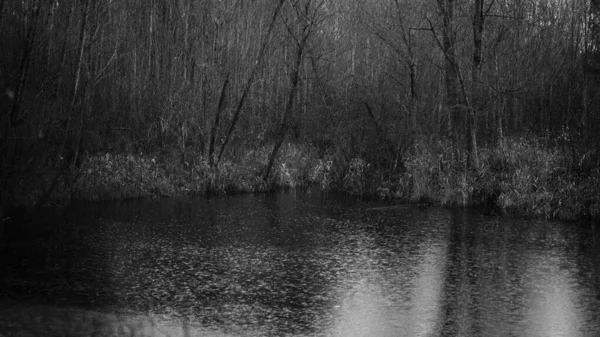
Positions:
(306, 18)
(251, 78)
(456, 100)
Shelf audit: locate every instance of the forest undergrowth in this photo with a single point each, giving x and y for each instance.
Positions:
(517, 176)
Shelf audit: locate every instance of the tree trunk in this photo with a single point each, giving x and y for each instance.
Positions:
(24, 67)
(215, 127)
(253, 72)
(81, 48)
(294, 79)
(69, 166)
(63, 55)
(1, 11)
(381, 132)
(478, 17)
(451, 74)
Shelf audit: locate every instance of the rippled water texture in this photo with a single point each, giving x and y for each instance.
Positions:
(294, 264)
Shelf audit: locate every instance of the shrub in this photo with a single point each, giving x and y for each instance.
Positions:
(355, 178)
(293, 167)
(107, 177)
(434, 176)
(522, 172)
(321, 173)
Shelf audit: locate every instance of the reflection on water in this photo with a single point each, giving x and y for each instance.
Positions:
(295, 264)
(556, 296)
(553, 310)
(427, 294)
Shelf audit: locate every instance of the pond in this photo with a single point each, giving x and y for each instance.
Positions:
(294, 263)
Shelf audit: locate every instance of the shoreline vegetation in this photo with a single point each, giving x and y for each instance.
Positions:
(518, 177)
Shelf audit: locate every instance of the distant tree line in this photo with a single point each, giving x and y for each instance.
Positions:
(355, 78)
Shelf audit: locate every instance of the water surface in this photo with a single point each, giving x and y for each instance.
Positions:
(294, 264)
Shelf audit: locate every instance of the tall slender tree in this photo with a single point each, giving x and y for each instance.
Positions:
(306, 17)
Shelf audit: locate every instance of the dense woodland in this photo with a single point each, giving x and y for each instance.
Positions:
(449, 101)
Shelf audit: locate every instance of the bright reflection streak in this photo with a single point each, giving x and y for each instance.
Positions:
(552, 309)
(363, 313)
(426, 295)
(366, 308)
(363, 309)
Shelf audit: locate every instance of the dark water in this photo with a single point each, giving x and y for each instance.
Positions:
(294, 264)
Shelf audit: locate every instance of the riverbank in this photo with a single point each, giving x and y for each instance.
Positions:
(518, 176)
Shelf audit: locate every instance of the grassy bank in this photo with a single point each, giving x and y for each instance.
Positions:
(109, 176)
(522, 177)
